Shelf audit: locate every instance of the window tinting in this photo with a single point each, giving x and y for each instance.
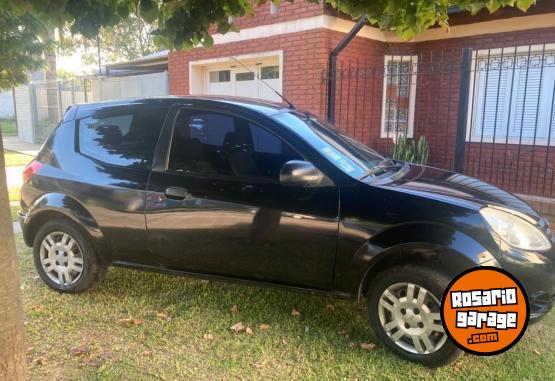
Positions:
(348, 154)
(125, 139)
(211, 143)
(220, 76)
(269, 72)
(244, 76)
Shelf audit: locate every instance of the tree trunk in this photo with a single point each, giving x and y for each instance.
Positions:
(51, 78)
(12, 346)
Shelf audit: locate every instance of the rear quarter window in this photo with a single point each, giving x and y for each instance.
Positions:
(126, 138)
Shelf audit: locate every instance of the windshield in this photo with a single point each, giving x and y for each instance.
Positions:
(348, 154)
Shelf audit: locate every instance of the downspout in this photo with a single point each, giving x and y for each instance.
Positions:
(332, 64)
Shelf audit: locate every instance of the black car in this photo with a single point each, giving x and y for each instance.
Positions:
(239, 190)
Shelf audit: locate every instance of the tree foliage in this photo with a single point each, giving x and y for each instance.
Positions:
(130, 38)
(21, 47)
(411, 17)
(184, 24)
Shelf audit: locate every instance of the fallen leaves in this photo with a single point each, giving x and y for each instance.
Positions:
(238, 327)
(234, 309)
(208, 336)
(330, 307)
(36, 307)
(367, 346)
(79, 350)
(264, 327)
(295, 312)
(129, 321)
(163, 315)
(95, 360)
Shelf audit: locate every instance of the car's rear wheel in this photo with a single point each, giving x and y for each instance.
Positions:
(404, 305)
(65, 259)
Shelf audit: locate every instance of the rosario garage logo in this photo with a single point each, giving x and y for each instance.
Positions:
(485, 311)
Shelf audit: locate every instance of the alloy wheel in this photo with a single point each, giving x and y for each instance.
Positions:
(61, 258)
(409, 314)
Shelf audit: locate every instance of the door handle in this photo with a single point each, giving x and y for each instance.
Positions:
(176, 193)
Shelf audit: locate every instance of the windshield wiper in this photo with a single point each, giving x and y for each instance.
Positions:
(383, 166)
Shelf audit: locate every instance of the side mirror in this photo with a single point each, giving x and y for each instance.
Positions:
(300, 173)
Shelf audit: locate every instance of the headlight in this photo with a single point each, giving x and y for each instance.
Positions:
(515, 231)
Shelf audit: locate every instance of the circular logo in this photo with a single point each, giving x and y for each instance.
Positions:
(485, 311)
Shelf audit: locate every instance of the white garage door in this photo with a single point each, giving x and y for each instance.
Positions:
(233, 79)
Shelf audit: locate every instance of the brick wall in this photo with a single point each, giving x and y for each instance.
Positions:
(359, 103)
(287, 11)
(436, 116)
(304, 56)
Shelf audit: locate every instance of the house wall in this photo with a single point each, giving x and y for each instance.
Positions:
(437, 118)
(287, 11)
(304, 57)
(359, 103)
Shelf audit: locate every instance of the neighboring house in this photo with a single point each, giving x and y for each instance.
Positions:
(418, 88)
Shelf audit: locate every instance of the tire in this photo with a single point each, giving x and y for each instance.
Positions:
(404, 330)
(72, 256)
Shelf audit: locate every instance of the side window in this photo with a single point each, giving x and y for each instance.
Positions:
(125, 139)
(212, 143)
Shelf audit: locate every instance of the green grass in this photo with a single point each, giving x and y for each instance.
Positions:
(13, 193)
(13, 210)
(8, 126)
(13, 159)
(78, 337)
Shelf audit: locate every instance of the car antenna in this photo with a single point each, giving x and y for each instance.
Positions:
(289, 103)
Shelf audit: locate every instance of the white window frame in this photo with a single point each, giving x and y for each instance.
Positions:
(412, 95)
(473, 105)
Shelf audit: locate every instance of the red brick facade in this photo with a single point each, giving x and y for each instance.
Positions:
(304, 56)
(359, 104)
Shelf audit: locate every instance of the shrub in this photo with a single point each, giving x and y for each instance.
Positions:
(410, 150)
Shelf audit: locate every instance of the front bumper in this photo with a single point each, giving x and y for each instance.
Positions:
(536, 273)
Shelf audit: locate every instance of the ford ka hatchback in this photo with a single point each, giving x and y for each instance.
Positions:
(239, 190)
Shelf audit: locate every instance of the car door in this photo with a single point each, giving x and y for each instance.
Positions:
(217, 205)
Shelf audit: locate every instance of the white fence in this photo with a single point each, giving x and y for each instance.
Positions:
(145, 85)
(40, 105)
(6, 105)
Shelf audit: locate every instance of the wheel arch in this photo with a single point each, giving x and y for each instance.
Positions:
(59, 206)
(432, 245)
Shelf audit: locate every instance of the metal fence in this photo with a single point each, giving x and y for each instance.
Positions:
(41, 105)
(487, 113)
(51, 99)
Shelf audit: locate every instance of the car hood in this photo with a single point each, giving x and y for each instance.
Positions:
(450, 187)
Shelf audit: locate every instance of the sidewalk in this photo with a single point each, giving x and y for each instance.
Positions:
(12, 143)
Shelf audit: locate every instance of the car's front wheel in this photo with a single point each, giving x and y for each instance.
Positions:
(65, 259)
(404, 304)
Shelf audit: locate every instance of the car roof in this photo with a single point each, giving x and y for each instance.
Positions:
(261, 106)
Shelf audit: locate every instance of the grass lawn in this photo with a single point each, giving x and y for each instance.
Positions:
(144, 326)
(13, 193)
(13, 159)
(14, 209)
(8, 127)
